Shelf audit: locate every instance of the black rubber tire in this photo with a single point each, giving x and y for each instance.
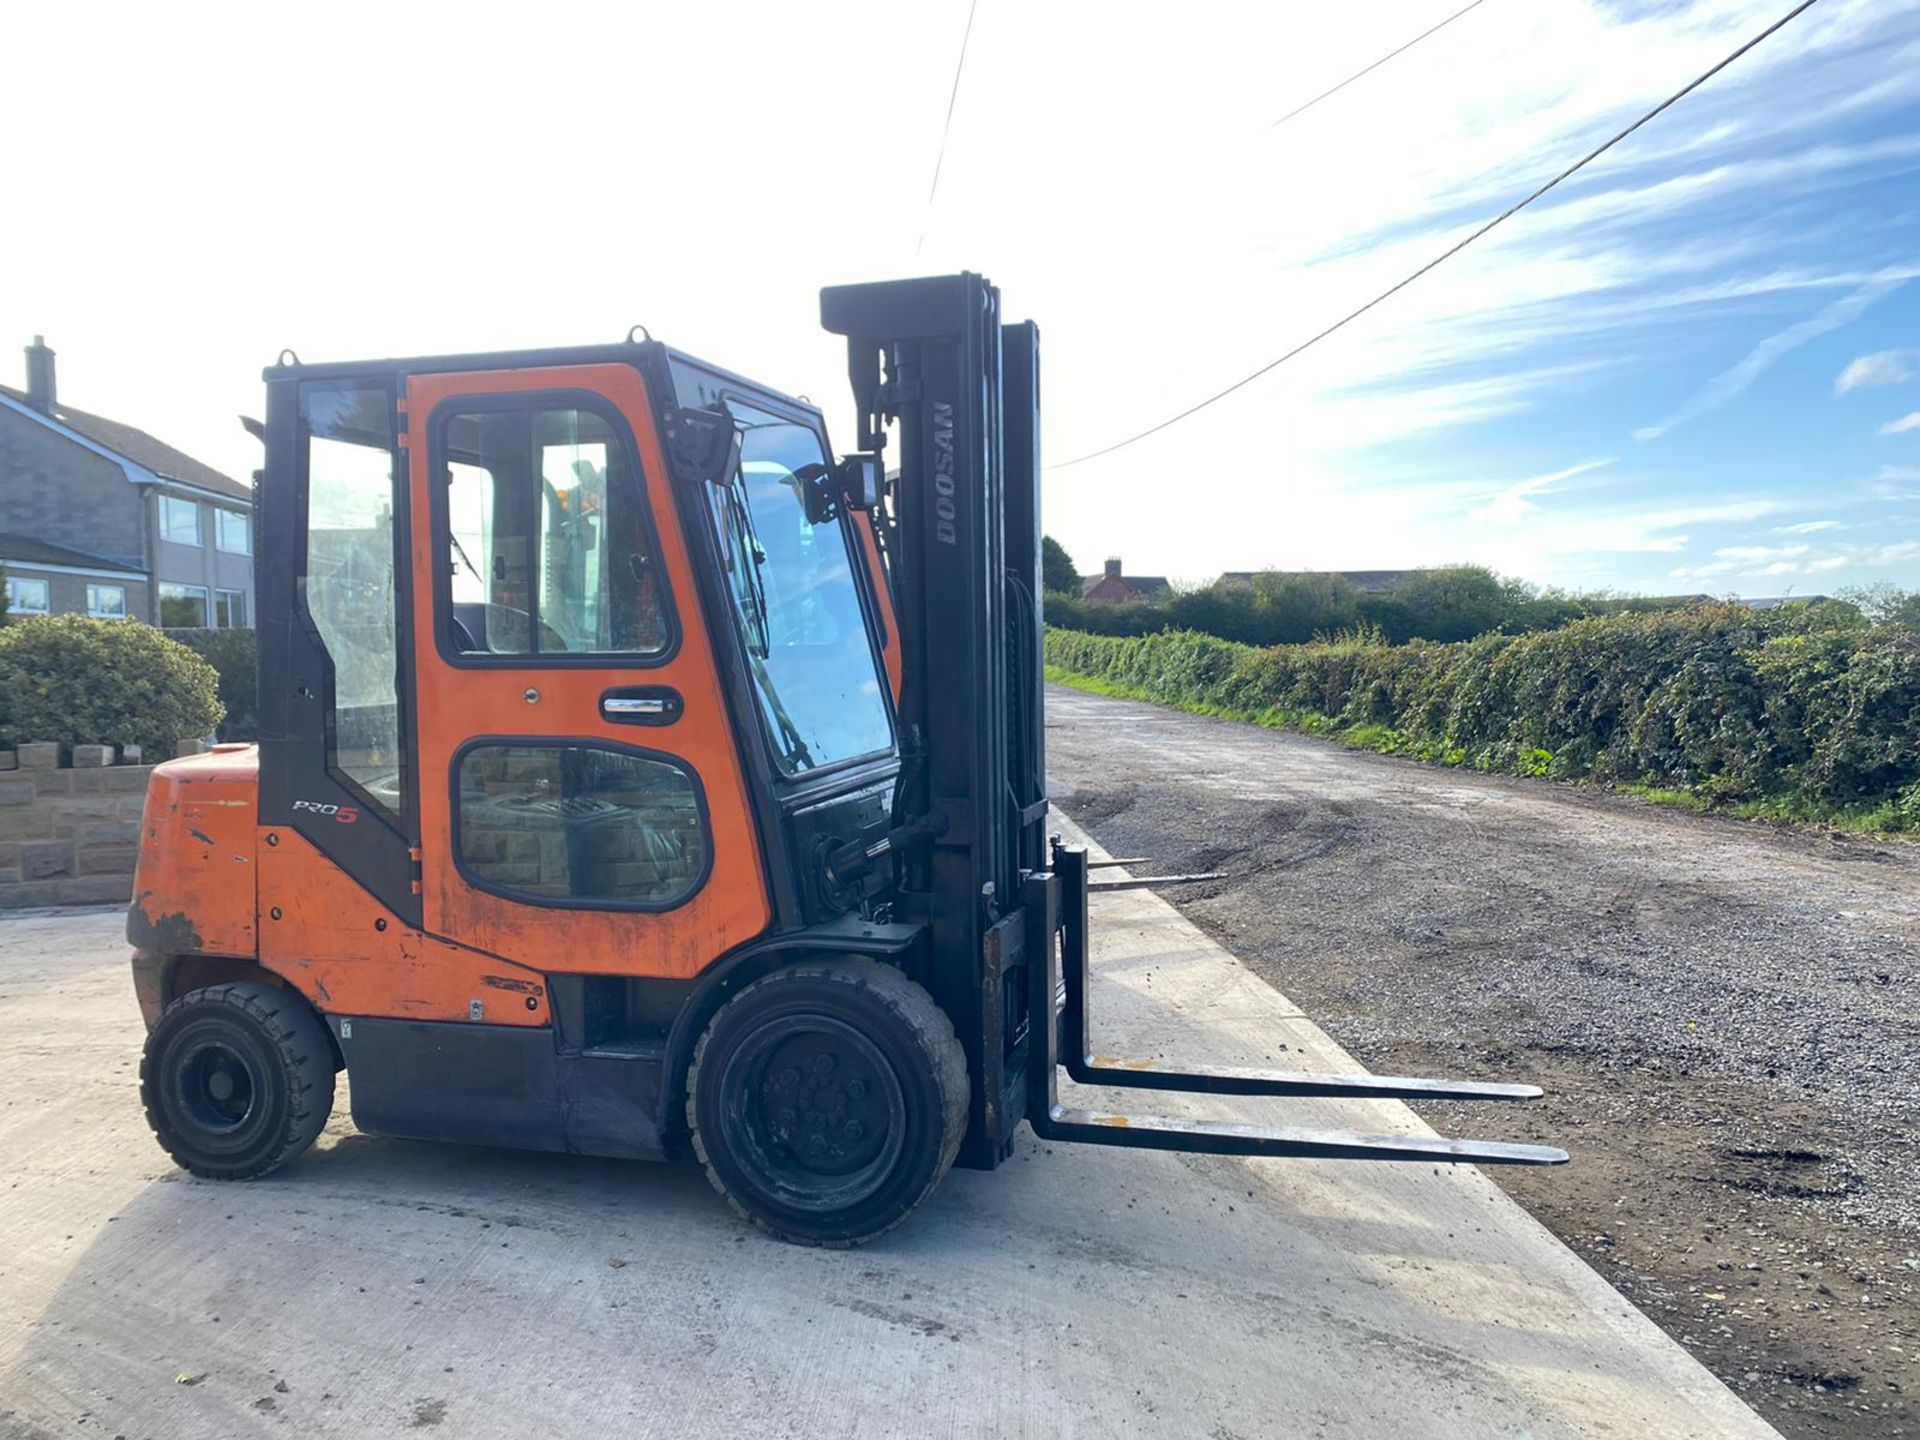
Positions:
(893, 1048)
(267, 1050)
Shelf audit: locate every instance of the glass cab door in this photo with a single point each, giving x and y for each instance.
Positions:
(581, 804)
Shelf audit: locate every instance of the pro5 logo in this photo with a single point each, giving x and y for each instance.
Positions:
(343, 814)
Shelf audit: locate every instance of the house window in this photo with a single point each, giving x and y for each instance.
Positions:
(179, 520)
(183, 607)
(107, 602)
(28, 597)
(234, 533)
(229, 608)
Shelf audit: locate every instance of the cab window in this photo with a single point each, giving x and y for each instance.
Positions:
(815, 672)
(546, 538)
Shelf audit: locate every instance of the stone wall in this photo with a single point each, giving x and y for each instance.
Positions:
(68, 837)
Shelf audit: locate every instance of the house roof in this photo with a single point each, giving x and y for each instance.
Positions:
(25, 550)
(1139, 584)
(141, 448)
(1775, 602)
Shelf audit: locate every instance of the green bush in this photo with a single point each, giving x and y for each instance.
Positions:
(1449, 603)
(1810, 703)
(233, 655)
(102, 682)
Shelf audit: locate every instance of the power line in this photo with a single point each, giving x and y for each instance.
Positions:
(1358, 74)
(1447, 254)
(947, 125)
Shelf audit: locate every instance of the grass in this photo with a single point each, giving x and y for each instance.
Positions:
(1883, 821)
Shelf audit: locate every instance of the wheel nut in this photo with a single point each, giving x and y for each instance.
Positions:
(855, 1130)
(789, 1076)
(823, 1063)
(857, 1089)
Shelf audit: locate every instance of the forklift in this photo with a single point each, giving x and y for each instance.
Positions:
(636, 777)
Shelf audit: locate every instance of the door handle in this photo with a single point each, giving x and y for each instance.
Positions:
(642, 705)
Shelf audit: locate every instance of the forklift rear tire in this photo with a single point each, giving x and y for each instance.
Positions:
(827, 1100)
(237, 1080)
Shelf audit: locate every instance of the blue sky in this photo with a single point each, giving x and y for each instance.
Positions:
(1686, 369)
(1634, 384)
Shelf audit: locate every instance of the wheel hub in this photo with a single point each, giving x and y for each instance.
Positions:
(823, 1105)
(217, 1086)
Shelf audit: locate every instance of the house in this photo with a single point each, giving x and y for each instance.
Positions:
(1111, 587)
(100, 518)
(1369, 582)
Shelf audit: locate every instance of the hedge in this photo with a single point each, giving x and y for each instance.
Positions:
(234, 657)
(102, 682)
(1810, 703)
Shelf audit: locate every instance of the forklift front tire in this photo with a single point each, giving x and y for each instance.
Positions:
(827, 1100)
(237, 1080)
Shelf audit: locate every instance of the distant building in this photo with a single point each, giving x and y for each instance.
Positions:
(1371, 582)
(1775, 602)
(98, 518)
(1111, 587)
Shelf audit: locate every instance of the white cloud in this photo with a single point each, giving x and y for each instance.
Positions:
(1902, 425)
(1882, 367)
(1828, 562)
(1514, 503)
(1729, 383)
(1760, 552)
(1808, 527)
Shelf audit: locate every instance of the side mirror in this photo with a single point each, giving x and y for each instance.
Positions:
(705, 442)
(853, 484)
(861, 481)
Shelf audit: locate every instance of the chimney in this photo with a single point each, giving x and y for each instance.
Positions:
(1113, 562)
(40, 388)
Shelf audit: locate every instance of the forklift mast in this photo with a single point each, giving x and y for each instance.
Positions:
(934, 356)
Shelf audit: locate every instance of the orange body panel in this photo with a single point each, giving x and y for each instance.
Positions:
(346, 953)
(193, 884)
(454, 705)
(877, 570)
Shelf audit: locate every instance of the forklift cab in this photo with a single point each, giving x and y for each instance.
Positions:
(515, 635)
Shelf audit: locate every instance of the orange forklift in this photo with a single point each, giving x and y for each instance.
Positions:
(635, 778)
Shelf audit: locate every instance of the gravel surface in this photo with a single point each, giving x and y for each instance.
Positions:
(1726, 1016)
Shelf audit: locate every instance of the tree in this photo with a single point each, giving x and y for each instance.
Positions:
(1057, 570)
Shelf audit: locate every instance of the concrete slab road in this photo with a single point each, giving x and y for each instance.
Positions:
(377, 1287)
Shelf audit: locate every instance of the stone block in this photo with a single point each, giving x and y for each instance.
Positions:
(71, 814)
(46, 860)
(126, 780)
(95, 890)
(38, 755)
(32, 893)
(8, 760)
(90, 757)
(106, 832)
(16, 792)
(27, 822)
(105, 859)
(129, 754)
(189, 747)
(9, 854)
